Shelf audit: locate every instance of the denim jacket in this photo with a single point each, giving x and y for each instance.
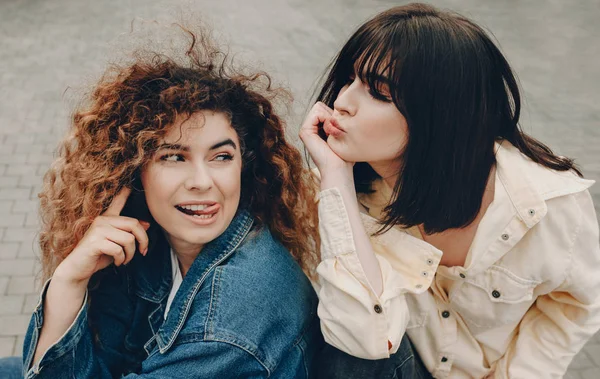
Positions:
(244, 310)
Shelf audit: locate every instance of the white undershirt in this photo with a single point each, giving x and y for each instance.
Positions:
(177, 279)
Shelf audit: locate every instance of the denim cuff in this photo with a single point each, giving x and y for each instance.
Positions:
(65, 344)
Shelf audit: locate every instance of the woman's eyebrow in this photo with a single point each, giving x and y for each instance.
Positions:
(380, 78)
(228, 141)
(173, 146)
(176, 146)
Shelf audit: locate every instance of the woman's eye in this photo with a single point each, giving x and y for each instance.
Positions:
(172, 158)
(223, 157)
(380, 96)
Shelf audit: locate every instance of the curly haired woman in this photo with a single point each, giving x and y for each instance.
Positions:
(176, 227)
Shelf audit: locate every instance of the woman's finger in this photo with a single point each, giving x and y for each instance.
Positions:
(118, 202)
(124, 239)
(323, 106)
(113, 250)
(132, 225)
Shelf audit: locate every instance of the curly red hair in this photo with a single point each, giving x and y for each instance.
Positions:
(115, 133)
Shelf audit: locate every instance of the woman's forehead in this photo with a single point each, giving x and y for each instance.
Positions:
(201, 128)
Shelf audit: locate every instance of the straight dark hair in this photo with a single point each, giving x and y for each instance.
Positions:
(458, 95)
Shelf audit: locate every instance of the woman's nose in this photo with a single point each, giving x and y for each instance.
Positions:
(345, 103)
(199, 179)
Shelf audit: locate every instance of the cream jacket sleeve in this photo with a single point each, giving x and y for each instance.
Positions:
(559, 323)
(353, 318)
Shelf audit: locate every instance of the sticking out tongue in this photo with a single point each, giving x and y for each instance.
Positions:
(206, 211)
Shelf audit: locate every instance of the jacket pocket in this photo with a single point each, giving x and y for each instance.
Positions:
(493, 298)
(418, 305)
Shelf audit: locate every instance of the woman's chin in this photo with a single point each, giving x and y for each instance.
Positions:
(342, 150)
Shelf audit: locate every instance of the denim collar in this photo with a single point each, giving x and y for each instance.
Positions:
(154, 278)
(152, 273)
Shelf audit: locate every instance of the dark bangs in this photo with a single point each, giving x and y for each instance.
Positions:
(373, 54)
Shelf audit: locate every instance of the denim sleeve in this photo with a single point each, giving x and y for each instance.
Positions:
(71, 356)
(76, 353)
(202, 359)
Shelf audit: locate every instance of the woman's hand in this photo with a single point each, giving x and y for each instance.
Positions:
(110, 238)
(326, 160)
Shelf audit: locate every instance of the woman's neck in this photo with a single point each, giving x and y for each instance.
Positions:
(186, 253)
(387, 170)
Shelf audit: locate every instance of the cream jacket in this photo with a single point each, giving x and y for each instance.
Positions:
(525, 302)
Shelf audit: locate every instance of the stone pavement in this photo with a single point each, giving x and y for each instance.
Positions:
(49, 46)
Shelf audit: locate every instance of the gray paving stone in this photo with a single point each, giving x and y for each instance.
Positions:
(7, 345)
(8, 181)
(581, 361)
(21, 169)
(19, 139)
(593, 351)
(18, 349)
(5, 206)
(21, 285)
(41, 169)
(9, 250)
(29, 249)
(21, 267)
(592, 373)
(29, 148)
(25, 206)
(13, 194)
(32, 220)
(11, 304)
(39, 158)
(12, 220)
(19, 234)
(29, 181)
(13, 325)
(3, 284)
(30, 303)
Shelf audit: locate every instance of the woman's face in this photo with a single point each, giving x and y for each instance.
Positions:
(374, 130)
(193, 182)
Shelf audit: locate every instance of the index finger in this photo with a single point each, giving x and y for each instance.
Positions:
(118, 202)
(324, 106)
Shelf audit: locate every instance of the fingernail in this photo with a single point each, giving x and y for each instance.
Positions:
(145, 224)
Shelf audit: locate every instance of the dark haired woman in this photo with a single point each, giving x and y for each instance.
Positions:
(177, 221)
(469, 236)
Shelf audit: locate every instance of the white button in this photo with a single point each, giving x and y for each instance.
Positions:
(419, 286)
(425, 274)
(532, 212)
(430, 262)
(505, 236)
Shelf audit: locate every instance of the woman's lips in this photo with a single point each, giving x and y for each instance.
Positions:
(332, 128)
(204, 217)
